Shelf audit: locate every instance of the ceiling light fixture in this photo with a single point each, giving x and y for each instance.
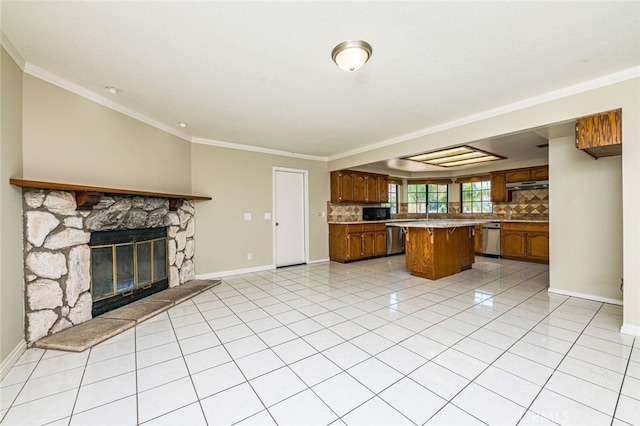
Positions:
(182, 124)
(458, 156)
(351, 55)
(112, 90)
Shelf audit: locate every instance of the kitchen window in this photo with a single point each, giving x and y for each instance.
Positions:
(438, 197)
(393, 198)
(476, 197)
(417, 198)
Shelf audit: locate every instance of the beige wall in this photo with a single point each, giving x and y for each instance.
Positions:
(242, 182)
(585, 222)
(70, 139)
(11, 281)
(625, 95)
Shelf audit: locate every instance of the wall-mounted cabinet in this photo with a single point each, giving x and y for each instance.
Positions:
(499, 180)
(360, 187)
(526, 241)
(350, 242)
(600, 135)
(527, 174)
(499, 192)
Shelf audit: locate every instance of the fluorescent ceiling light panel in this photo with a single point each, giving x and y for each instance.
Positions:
(458, 156)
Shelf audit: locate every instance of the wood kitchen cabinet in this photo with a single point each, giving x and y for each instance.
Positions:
(527, 174)
(477, 242)
(383, 189)
(359, 187)
(352, 186)
(528, 241)
(518, 175)
(499, 192)
(600, 135)
(540, 173)
(350, 242)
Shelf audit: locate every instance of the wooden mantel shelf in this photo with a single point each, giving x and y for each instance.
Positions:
(89, 196)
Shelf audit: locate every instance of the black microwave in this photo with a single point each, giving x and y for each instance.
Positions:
(376, 213)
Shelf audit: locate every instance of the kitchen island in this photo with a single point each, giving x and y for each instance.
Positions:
(439, 248)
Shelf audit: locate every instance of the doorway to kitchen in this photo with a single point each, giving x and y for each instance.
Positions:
(291, 228)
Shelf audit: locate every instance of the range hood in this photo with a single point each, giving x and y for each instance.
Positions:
(534, 184)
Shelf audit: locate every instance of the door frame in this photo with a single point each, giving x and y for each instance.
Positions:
(305, 177)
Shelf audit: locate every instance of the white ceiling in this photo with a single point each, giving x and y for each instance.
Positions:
(260, 73)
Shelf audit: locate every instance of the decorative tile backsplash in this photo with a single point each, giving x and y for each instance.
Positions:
(525, 204)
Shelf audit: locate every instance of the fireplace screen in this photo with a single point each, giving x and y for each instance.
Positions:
(123, 262)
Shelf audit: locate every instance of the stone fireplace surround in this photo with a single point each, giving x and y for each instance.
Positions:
(57, 254)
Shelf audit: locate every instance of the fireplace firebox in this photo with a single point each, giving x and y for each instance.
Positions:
(127, 265)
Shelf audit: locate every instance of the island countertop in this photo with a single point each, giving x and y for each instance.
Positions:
(439, 223)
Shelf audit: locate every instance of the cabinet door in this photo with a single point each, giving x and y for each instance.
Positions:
(521, 175)
(381, 243)
(372, 189)
(513, 243)
(359, 187)
(368, 244)
(540, 173)
(346, 187)
(383, 189)
(499, 187)
(354, 246)
(477, 243)
(538, 245)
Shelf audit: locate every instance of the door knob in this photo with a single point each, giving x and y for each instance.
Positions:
(277, 224)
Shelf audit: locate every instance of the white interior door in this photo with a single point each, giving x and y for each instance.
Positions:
(290, 217)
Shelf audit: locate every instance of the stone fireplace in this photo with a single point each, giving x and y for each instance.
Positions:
(58, 229)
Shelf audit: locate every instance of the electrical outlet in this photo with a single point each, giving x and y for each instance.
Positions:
(247, 216)
(249, 256)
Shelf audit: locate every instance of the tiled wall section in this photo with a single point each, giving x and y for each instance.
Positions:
(344, 212)
(526, 204)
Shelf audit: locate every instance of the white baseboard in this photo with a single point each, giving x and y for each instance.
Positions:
(13, 357)
(585, 296)
(235, 272)
(220, 274)
(634, 330)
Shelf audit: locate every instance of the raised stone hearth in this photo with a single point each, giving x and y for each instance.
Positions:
(57, 253)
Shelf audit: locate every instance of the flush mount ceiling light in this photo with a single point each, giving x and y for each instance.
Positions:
(458, 156)
(182, 124)
(351, 55)
(112, 90)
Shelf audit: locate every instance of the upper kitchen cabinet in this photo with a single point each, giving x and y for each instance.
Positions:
(530, 173)
(600, 135)
(499, 192)
(360, 187)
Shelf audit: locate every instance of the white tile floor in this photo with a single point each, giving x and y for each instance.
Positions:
(364, 343)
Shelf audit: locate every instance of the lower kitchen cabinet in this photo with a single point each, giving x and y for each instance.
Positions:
(351, 242)
(527, 241)
(477, 241)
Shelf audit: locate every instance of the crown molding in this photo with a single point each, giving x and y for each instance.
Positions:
(11, 50)
(251, 148)
(74, 88)
(575, 89)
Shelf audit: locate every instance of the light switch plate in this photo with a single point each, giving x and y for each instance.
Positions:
(267, 216)
(247, 216)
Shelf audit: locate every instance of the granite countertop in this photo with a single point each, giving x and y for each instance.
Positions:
(475, 221)
(440, 223)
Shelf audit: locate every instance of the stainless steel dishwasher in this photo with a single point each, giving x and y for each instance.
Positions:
(491, 239)
(395, 240)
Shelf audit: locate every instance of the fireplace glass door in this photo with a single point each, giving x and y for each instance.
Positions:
(120, 269)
